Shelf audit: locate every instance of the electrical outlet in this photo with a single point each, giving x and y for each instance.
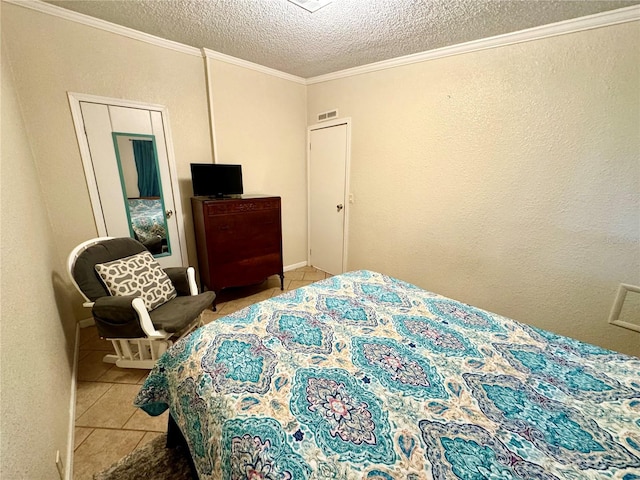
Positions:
(59, 465)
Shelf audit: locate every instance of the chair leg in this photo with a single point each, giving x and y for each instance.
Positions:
(144, 352)
(136, 352)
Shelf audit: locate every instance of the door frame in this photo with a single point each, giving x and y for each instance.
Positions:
(347, 188)
(87, 164)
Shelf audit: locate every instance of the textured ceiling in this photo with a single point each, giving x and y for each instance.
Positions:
(341, 35)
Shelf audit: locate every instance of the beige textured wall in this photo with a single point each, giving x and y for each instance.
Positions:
(37, 329)
(52, 56)
(260, 122)
(46, 209)
(507, 178)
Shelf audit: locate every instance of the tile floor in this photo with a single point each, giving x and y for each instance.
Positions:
(107, 425)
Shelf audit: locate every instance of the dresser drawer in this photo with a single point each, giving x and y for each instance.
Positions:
(227, 207)
(245, 271)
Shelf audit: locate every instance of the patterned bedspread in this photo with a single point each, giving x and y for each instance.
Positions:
(363, 376)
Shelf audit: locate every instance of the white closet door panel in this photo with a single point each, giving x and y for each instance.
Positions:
(130, 120)
(327, 194)
(105, 166)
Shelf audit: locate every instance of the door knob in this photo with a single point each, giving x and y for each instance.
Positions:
(169, 213)
(339, 207)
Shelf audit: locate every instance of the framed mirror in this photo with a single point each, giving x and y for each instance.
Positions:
(144, 204)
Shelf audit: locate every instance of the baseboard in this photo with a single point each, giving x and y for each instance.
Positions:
(294, 266)
(72, 407)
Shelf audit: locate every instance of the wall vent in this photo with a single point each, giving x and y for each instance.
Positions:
(327, 115)
(626, 307)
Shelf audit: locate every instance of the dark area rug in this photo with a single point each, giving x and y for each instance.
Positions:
(154, 461)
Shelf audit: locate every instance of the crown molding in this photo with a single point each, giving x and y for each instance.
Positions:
(252, 66)
(598, 20)
(60, 12)
(87, 20)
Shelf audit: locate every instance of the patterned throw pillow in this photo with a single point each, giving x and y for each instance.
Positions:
(138, 275)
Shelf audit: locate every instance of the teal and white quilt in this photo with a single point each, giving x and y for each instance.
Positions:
(363, 376)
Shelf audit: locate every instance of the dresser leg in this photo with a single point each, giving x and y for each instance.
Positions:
(282, 281)
(215, 300)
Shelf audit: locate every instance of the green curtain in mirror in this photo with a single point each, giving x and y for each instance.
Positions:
(146, 166)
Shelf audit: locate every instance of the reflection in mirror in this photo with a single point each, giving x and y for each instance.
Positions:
(144, 203)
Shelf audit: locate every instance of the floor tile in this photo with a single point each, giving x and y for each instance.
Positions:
(143, 379)
(299, 283)
(88, 393)
(256, 297)
(79, 435)
(123, 375)
(276, 291)
(111, 410)
(313, 276)
(87, 334)
(102, 448)
(239, 304)
(142, 421)
(83, 354)
(272, 282)
(294, 275)
(208, 315)
(92, 366)
(229, 308)
(221, 309)
(213, 318)
(99, 344)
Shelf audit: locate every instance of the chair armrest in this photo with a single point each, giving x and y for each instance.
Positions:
(116, 318)
(115, 309)
(183, 278)
(123, 317)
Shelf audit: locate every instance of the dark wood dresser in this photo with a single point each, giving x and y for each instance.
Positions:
(239, 240)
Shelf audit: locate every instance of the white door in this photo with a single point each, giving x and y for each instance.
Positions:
(129, 168)
(328, 187)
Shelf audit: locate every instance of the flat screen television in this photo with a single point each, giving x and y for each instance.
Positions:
(216, 180)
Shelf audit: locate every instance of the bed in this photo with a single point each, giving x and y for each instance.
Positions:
(363, 376)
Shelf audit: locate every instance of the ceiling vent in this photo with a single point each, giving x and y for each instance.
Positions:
(327, 115)
(311, 5)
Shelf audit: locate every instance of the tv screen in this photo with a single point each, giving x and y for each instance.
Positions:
(216, 179)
